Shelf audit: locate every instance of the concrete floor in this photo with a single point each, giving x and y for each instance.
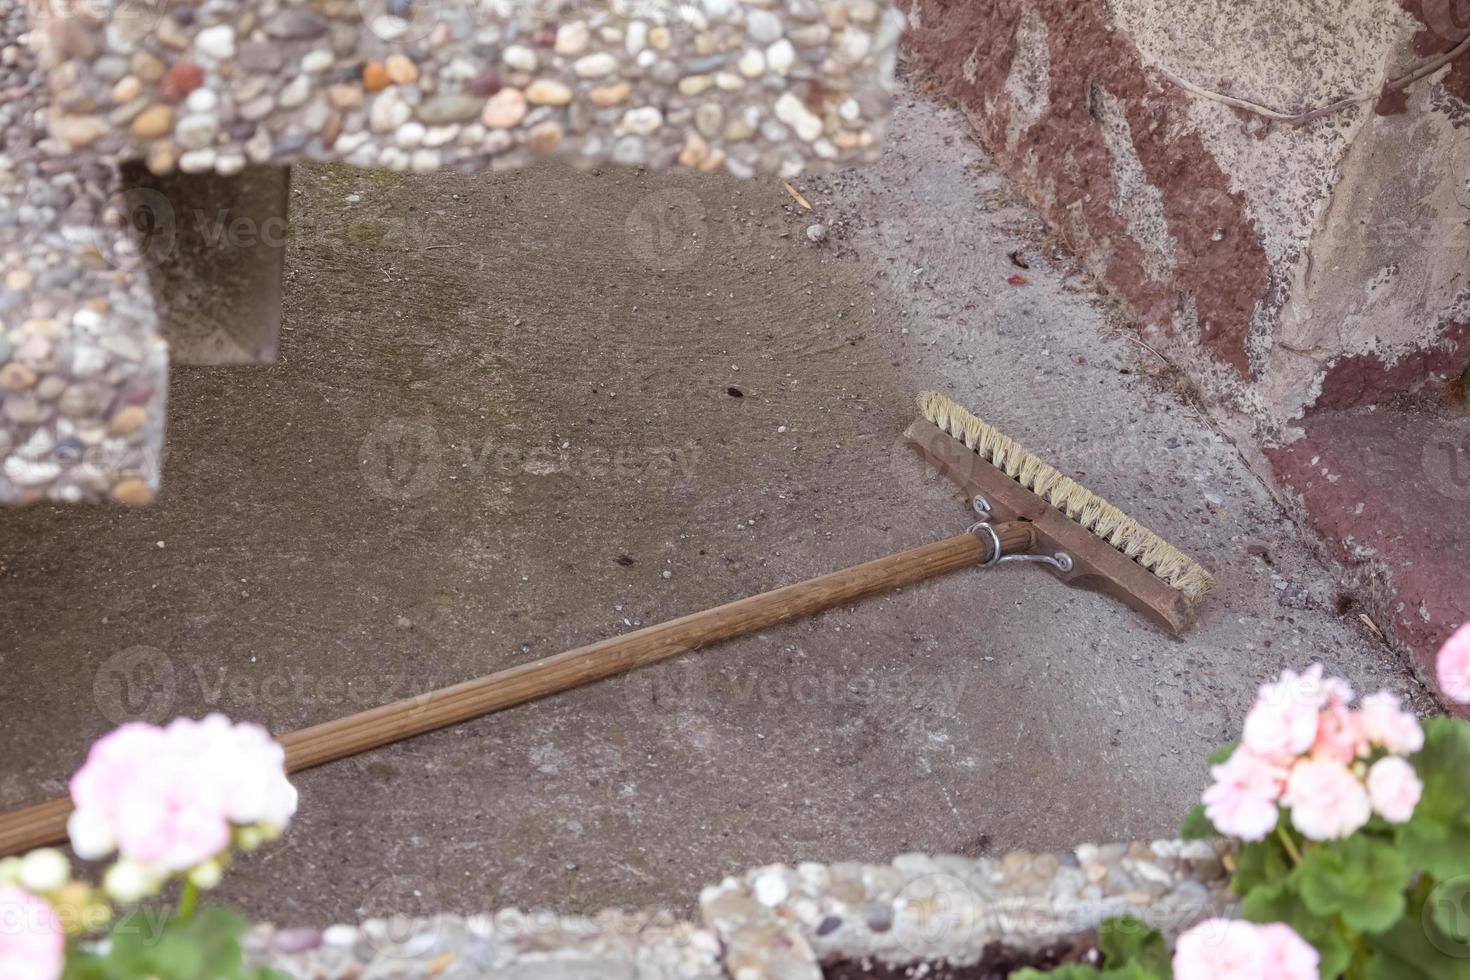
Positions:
(503, 412)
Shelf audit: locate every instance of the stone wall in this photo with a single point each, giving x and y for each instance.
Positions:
(1290, 265)
(784, 923)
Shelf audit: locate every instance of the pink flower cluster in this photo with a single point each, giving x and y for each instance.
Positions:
(1306, 748)
(32, 946)
(166, 798)
(1453, 666)
(1230, 949)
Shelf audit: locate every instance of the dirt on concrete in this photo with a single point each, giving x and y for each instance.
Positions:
(517, 413)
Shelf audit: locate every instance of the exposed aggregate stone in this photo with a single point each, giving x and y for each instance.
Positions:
(508, 944)
(83, 371)
(782, 923)
(747, 86)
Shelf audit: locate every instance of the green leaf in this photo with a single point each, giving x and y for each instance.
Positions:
(1417, 948)
(1279, 903)
(1448, 914)
(149, 943)
(1125, 940)
(1221, 754)
(1077, 971)
(1437, 838)
(1260, 863)
(1359, 878)
(83, 966)
(1197, 826)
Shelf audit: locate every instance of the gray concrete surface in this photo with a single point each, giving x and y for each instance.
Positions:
(501, 414)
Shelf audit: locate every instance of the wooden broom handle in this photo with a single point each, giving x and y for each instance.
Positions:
(45, 824)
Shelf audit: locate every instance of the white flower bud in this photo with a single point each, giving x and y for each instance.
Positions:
(128, 881)
(206, 874)
(90, 833)
(44, 871)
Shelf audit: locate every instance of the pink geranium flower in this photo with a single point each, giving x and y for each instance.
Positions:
(1282, 723)
(1286, 955)
(1242, 802)
(1394, 788)
(244, 769)
(1231, 949)
(1454, 666)
(31, 942)
(1327, 801)
(166, 798)
(1340, 734)
(1388, 725)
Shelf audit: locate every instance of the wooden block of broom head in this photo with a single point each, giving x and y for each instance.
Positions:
(1111, 553)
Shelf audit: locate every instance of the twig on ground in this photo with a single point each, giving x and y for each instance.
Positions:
(796, 196)
(1309, 115)
(1139, 341)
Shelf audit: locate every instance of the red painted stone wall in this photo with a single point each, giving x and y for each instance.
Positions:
(1219, 262)
(1365, 379)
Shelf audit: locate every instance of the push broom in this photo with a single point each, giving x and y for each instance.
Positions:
(1026, 511)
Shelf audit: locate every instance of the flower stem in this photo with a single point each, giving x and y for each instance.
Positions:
(188, 898)
(1286, 841)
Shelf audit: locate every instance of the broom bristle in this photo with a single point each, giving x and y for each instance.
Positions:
(1094, 513)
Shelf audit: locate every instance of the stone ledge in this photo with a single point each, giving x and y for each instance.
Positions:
(742, 85)
(782, 923)
(83, 371)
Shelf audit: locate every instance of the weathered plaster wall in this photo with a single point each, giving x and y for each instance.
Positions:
(1290, 267)
(1383, 295)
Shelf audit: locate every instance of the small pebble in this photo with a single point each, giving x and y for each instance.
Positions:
(153, 122)
(572, 38)
(216, 42)
(375, 77)
(181, 79)
(505, 109)
(401, 69)
(545, 91)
